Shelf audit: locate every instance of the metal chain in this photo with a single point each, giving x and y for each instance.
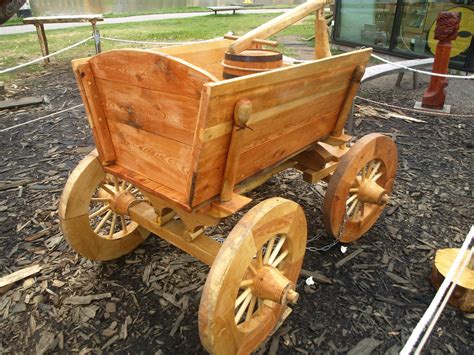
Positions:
(338, 238)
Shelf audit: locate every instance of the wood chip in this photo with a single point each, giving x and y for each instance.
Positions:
(176, 324)
(349, 257)
(19, 275)
(318, 277)
(83, 300)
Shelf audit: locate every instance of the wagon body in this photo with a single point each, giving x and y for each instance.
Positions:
(166, 124)
(178, 146)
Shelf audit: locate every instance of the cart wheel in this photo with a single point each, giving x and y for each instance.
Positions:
(253, 278)
(360, 187)
(90, 223)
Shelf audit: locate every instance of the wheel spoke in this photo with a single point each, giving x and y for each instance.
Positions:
(276, 250)
(112, 226)
(116, 184)
(350, 199)
(99, 212)
(242, 308)
(242, 297)
(123, 185)
(374, 170)
(251, 308)
(246, 283)
(354, 190)
(129, 187)
(259, 258)
(253, 270)
(268, 251)
(124, 224)
(100, 199)
(352, 207)
(102, 222)
(106, 189)
(280, 258)
(377, 176)
(361, 209)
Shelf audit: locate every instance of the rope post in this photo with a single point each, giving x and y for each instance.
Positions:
(96, 35)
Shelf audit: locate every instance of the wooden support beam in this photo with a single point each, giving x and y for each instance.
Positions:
(242, 112)
(42, 41)
(347, 104)
(322, 48)
(202, 247)
(313, 177)
(276, 25)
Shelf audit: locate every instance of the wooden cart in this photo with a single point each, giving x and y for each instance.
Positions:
(178, 147)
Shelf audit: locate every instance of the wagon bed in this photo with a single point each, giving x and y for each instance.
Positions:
(166, 125)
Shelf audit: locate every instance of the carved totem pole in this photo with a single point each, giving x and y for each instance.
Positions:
(447, 26)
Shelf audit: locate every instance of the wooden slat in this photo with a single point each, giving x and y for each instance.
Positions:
(167, 115)
(160, 159)
(97, 120)
(150, 186)
(151, 70)
(207, 56)
(64, 19)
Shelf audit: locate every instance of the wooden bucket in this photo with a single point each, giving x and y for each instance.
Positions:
(251, 61)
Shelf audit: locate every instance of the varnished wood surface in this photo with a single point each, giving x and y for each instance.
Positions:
(463, 295)
(292, 108)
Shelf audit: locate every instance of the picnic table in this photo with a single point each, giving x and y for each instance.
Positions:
(39, 23)
(224, 8)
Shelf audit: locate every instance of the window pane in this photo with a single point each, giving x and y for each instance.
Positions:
(416, 33)
(367, 21)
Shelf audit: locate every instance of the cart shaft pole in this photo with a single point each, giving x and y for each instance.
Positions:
(203, 247)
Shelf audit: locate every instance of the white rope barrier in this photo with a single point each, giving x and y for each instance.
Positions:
(436, 306)
(45, 57)
(155, 43)
(40, 118)
(427, 113)
(467, 77)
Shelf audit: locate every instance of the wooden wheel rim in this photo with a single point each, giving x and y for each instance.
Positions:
(218, 330)
(375, 148)
(75, 215)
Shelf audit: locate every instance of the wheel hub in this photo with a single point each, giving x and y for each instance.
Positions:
(119, 201)
(269, 283)
(371, 192)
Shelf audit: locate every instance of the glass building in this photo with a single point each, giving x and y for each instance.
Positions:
(404, 27)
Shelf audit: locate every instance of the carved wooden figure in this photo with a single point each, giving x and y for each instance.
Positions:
(447, 26)
(178, 146)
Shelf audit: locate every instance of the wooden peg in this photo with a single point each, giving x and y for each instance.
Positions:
(242, 114)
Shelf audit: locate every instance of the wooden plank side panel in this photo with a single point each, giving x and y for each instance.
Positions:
(270, 96)
(292, 108)
(257, 157)
(151, 70)
(168, 115)
(319, 67)
(160, 159)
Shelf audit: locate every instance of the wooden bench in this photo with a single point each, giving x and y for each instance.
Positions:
(224, 8)
(39, 22)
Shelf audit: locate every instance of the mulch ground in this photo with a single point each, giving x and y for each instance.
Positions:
(366, 300)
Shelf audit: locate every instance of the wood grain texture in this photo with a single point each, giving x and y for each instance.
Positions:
(292, 108)
(463, 295)
(205, 55)
(151, 70)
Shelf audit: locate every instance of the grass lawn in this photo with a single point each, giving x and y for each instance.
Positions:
(16, 49)
(171, 10)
